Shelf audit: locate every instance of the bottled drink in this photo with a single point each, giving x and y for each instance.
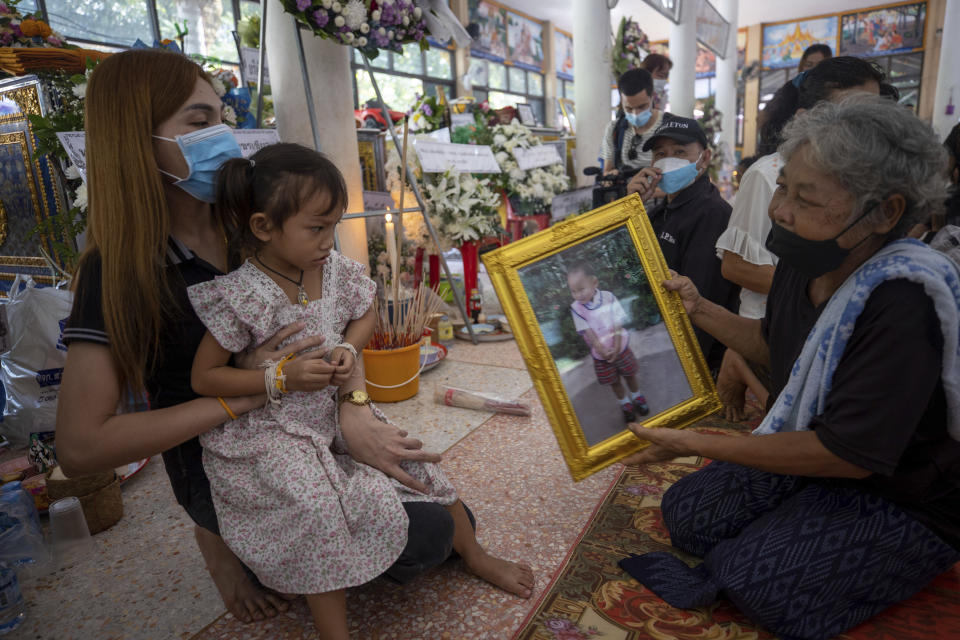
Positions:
(444, 330)
(28, 506)
(12, 607)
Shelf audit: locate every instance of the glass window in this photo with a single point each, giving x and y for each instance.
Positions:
(701, 88)
(535, 84)
(497, 76)
(248, 9)
(909, 66)
(439, 64)
(568, 90)
(114, 21)
(518, 80)
(399, 92)
(27, 6)
(411, 61)
(209, 24)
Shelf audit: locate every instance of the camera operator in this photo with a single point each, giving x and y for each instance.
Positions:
(623, 139)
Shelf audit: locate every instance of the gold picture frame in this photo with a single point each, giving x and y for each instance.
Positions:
(618, 248)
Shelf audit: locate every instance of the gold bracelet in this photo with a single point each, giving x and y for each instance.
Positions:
(280, 377)
(226, 407)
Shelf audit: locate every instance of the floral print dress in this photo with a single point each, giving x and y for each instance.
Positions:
(292, 504)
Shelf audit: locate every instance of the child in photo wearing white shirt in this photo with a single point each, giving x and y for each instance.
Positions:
(599, 318)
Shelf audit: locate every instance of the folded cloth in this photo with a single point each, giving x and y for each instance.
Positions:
(672, 580)
(805, 393)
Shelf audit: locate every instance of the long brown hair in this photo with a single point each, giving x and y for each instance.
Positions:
(128, 96)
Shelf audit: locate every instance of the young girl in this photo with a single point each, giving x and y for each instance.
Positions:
(292, 504)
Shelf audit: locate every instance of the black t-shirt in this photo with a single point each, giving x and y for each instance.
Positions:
(687, 229)
(168, 383)
(886, 410)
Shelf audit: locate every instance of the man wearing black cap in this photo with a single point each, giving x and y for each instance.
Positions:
(693, 216)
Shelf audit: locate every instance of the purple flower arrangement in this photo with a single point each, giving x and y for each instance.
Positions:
(630, 47)
(368, 25)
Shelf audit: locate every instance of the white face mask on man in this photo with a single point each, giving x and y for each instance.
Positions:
(678, 173)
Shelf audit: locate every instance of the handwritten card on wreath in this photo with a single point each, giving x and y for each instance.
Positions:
(437, 157)
(535, 157)
(74, 143)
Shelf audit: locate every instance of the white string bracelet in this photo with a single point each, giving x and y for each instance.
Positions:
(349, 347)
(270, 382)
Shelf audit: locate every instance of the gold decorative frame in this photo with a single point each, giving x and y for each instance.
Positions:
(504, 267)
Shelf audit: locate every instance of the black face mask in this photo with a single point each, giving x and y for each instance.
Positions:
(812, 258)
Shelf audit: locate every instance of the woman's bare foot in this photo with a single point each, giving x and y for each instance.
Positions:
(241, 597)
(510, 576)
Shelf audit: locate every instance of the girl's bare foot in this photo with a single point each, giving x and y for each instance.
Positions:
(241, 597)
(510, 576)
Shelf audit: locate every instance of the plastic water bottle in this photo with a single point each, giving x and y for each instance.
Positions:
(25, 501)
(12, 608)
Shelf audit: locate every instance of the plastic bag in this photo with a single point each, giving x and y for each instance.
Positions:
(31, 368)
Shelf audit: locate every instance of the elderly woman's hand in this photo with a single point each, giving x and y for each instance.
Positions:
(381, 445)
(645, 182)
(687, 290)
(665, 444)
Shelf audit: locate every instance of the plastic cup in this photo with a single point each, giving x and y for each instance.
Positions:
(68, 531)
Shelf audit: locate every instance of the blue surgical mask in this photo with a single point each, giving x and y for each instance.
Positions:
(638, 119)
(205, 152)
(659, 85)
(677, 174)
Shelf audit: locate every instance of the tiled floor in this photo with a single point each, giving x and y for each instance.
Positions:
(145, 578)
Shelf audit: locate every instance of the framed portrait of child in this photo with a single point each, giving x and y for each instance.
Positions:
(604, 342)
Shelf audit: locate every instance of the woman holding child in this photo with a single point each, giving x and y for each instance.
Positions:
(152, 117)
(847, 500)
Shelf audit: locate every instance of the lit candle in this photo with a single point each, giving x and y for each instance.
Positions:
(391, 247)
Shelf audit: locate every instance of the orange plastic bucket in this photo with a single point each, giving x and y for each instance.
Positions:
(392, 374)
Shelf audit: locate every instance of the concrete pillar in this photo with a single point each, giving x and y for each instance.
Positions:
(550, 82)
(683, 52)
(331, 82)
(727, 78)
(461, 55)
(948, 74)
(592, 80)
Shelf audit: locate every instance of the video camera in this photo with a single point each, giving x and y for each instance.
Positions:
(609, 187)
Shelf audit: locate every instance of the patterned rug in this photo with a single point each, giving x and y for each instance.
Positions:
(591, 597)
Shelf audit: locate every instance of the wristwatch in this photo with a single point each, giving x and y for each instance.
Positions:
(356, 397)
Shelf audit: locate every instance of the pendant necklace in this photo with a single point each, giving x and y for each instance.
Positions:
(301, 292)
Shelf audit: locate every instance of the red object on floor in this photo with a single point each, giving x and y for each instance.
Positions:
(471, 265)
(418, 267)
(434, 261)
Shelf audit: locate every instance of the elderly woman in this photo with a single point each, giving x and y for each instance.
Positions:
(847, 499)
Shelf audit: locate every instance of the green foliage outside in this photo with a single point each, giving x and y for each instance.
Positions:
(618, 269)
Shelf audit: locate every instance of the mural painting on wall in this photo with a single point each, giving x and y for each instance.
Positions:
(563, 54)
(883, 31)
(492, 21)
(784, 44)
(525, 40)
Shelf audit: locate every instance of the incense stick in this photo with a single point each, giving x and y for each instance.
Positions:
(406, 326)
